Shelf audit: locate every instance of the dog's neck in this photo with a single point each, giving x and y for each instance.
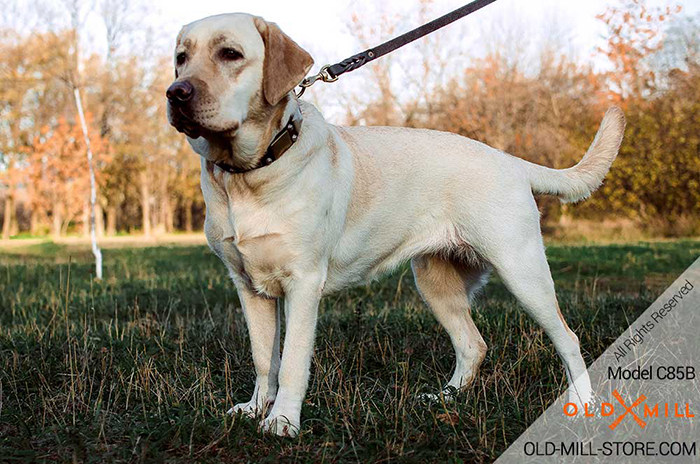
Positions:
(248, 145)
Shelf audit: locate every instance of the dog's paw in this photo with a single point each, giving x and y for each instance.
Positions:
(581, 398)
(250, 409)
(445, 396)
(579, 404)
(281, 425)
(430, 397)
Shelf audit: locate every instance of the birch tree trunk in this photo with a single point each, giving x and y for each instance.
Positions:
(93, 189)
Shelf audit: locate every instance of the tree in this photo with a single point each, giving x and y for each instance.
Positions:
(59, 182)
(28, 69)
(634, 35)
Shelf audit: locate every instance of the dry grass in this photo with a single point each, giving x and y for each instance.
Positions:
(142, 366)
(607, 231)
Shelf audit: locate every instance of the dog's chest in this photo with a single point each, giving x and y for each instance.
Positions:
(250, 240)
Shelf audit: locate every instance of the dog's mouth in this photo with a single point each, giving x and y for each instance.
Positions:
(184, 122)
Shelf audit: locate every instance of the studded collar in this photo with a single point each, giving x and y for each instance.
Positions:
(279, 145)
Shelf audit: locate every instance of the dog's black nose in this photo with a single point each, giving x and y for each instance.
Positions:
(180, 92)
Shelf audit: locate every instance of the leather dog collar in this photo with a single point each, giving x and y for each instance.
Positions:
(279, 145)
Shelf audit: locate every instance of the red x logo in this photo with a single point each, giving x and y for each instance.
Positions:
(628, 410)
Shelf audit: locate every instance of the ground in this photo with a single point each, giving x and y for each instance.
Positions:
(142, 366)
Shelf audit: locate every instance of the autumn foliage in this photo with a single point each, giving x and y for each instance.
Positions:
(634, 36)
(58, 183)
(543, 106)
(548, 112)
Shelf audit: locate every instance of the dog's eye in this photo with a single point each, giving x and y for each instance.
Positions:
(230, 54)
(180, 58)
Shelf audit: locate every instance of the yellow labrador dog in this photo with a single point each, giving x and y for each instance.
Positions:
(299, 208)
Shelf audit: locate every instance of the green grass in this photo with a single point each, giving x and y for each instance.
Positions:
(142, 366)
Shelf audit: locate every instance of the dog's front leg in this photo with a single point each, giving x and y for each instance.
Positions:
(263, 321)
(301, 313)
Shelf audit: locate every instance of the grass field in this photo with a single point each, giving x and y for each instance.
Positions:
(142, 366)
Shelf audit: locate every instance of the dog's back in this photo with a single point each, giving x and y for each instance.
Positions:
(421, 155)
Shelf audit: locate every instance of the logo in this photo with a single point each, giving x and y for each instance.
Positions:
(636, 410)
(636, 418)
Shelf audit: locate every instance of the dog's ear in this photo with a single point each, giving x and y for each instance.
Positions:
(286, 63)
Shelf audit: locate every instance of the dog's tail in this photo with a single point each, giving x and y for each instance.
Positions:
(578, 182)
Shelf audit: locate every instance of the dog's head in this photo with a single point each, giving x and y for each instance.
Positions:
(228, 69)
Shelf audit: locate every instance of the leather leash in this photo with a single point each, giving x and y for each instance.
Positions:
(330, 73)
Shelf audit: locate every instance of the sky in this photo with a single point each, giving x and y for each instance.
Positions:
(321, 25)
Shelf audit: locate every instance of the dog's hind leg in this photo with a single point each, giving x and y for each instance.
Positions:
(523, 267)
(447, 286)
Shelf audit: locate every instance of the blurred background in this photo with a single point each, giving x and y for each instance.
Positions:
(532, 78)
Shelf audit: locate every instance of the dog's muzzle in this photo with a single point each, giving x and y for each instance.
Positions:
(180, 96)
